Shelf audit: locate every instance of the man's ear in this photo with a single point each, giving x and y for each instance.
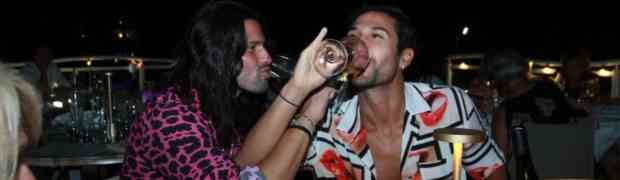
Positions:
(406, 58)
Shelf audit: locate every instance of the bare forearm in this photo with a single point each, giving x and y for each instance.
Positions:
(500, 135)
(268, 130)
(283, 161)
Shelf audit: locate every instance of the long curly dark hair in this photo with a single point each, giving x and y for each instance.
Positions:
(210, 60)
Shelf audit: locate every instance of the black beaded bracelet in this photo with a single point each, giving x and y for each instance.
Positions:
(304, 129)
(287, 101)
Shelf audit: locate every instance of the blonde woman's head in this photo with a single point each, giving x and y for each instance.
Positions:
(20, 111)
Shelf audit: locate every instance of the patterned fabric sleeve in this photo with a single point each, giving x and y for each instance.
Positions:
(311, 156)
(174, 141)
(482, 159)
(252, 173)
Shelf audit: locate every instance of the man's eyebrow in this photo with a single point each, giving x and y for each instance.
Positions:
(374, 28)
(379, 28)
(255, 42)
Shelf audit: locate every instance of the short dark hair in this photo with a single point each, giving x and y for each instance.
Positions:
(504, 64)
(404, 26)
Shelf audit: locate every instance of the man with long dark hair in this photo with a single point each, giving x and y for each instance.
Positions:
(195, 128)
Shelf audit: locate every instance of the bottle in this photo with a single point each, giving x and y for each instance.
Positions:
(524, 165)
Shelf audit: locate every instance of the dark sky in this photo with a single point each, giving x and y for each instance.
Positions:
(292, 24)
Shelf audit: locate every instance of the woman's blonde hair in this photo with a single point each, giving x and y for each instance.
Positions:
(20, 108)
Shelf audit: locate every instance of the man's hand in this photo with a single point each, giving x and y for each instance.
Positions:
(306, 77)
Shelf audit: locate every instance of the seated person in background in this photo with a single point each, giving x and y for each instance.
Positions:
(47, 79)
(524, 100)
(20, 123)
(541, 99)
(485, 97)
(582, 88)
(579, 84)
(42, 73)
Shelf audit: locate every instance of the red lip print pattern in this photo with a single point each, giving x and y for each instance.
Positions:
(422, 153)
(334, 164)
(432, 118)
(357, 141)
(479, 173)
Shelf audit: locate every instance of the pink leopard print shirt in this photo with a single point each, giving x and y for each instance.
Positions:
(171, 140)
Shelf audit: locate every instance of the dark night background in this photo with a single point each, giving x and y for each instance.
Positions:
(90, 28)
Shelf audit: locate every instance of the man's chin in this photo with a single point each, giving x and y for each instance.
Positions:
(260, 88)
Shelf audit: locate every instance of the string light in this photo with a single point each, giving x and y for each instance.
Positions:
(547, 70)
(465, 31)
(57, 104)
(463, 66)
(604, 72)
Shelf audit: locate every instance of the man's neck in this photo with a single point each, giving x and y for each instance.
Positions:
(382, 107)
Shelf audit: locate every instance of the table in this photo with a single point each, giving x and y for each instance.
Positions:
(70, 154)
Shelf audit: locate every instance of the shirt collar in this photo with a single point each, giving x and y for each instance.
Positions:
(415, 103)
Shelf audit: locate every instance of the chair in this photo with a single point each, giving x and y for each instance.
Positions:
(562, 150)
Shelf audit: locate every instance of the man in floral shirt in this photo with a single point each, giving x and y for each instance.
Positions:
(385, 131)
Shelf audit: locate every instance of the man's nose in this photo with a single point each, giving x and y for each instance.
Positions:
(265, 57)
